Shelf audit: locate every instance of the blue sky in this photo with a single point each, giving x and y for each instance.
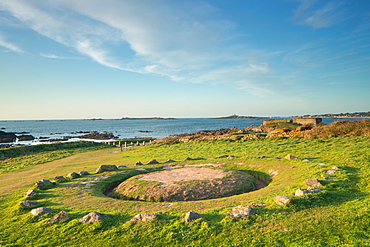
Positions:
(62, 59)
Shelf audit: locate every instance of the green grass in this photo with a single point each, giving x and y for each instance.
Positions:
(337, 216)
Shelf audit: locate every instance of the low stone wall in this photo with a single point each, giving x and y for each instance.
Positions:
(313, 121)
(285, 120)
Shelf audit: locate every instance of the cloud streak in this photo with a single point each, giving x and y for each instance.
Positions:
(318, 15)
(151, 38)
(9, 46)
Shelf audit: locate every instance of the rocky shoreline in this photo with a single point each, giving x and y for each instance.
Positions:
(9, 139)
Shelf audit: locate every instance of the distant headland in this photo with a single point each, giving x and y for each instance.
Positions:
(237, 117)
(146, 118)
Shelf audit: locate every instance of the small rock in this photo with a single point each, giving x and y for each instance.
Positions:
(313, 190)
(282, 200)
(170, 161)
(313, 182)
(73, 175)
(188, 158)
(92, 217)
(191, 216)
(335, 168)
(153, 161)
(104, 168)
(43, 183)
(263, 157)
(321, 164)
(273, 172)
(306, 160)
(40, 211)
(31, 193)
(241, 211)
(231, 156)
(277, 158)
(138, 163)
(28, 204)
(122, 166)
(330, 172)
(290, 157)
(141, 169)
(59, 179)
(300, 192)
(255, 204)
(83, 173)
(62, 215)
(143, 217)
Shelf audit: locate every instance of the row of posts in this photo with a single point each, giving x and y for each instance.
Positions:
(125, 144)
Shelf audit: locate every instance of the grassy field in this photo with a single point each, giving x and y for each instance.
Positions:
(337, 216)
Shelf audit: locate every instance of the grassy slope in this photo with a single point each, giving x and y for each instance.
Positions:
(338, 216)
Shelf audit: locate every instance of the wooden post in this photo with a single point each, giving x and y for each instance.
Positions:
(120, 145)
(125, 144)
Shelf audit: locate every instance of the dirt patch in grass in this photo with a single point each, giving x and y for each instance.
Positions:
(186, 184)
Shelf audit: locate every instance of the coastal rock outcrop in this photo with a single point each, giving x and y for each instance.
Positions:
(7, 137)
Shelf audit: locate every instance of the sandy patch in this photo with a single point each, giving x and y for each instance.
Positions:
(183, 174)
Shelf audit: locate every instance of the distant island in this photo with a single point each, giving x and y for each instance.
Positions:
(146, 118)
(342, 115)
(237, 117)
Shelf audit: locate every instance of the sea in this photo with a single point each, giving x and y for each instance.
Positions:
(125, 128)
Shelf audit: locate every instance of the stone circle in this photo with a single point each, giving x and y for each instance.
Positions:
(186, 184)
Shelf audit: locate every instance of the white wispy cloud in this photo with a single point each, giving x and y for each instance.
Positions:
(9, 46)
(53, 56)
(178, 40)
(319, 14)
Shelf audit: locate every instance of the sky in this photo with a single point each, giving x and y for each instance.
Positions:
(77, 59)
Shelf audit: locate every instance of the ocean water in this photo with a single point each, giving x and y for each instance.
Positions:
(155, 128)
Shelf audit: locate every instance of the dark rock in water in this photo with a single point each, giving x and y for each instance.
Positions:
(7, 137)
(26, 138)
(92, 217)
(98, 136)
(40, 211)
(241, 211)
(62, 215)
(191, 216)
(104, 168)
